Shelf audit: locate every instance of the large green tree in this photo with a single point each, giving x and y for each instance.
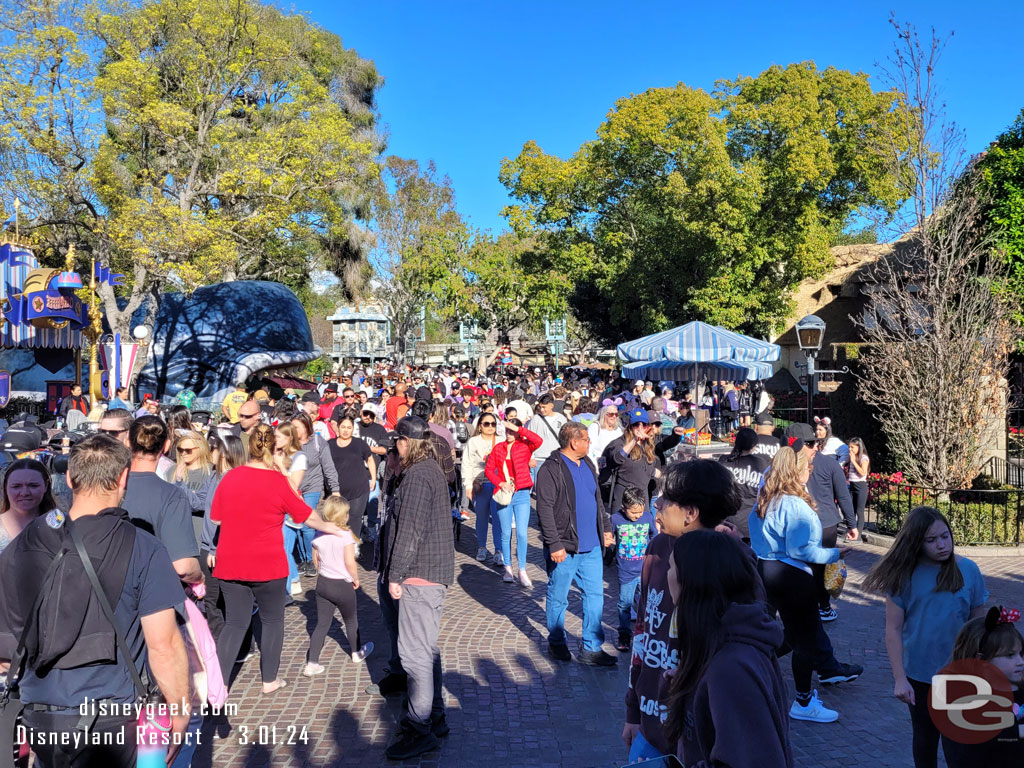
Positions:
(186, 141)
(422, 241)
(690, 205)
(1001, 177)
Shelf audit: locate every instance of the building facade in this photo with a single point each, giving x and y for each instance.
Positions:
(360, 333)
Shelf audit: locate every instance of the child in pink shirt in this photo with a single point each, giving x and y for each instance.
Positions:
(338, 579)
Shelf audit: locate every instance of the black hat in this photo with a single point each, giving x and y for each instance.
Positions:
(801, 431)
(764, 419)
(412, 427)
(312, 396)
(424, 393)
(746, 439)
(332, 387)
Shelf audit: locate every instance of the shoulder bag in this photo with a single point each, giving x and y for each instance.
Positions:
(502, 497)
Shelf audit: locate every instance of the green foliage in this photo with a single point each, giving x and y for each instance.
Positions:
(422, 244)
(512, 282)
(318, 367)
(864, 236)
(987, 517)
(1001, 174)
(187, 140)
(710, 206)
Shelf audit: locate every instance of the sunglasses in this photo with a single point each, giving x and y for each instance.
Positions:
(248, 415)
(488, 423)
(112, 432)
(187, 451)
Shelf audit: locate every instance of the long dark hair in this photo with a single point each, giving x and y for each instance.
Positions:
(713, 572)
(892, 573)
(47, 502)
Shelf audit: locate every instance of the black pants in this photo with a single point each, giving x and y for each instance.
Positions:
(828, 539)
(859, 493)
(83, 756)
(926, 735)
(212, 603)
(793, 593)
(356, 508)
(331, 594)
(270, 596)
(389, 614)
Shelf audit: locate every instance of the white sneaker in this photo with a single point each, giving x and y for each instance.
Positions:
(524, 580)
(362, 653)
(296, 588)
(508, 578)
(814, 712)
(498, 561)
(312, 669)
(481, 555)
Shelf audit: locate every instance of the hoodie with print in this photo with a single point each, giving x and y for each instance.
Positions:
(653, 660)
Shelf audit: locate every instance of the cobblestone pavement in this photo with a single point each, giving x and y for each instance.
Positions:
(509, 704)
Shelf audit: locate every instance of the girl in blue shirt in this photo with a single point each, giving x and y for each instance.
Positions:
(930, 594)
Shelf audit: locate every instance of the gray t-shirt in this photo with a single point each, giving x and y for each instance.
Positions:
(162, 509)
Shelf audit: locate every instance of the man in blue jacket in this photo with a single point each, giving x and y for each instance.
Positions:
(575, 528)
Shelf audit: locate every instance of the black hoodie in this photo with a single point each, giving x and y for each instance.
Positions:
(737, 716)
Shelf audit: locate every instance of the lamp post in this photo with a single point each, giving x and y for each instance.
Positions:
(810, 332)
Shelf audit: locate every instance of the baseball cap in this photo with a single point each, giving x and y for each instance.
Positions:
(639, 416)
(261, 395)
(424, 393)
(310, 397)
(412, 427)
(764, 419)
(332, 387)
(638, 383)
(368, 407)
(798, 435)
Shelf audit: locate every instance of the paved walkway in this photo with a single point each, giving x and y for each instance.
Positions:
(509, 705)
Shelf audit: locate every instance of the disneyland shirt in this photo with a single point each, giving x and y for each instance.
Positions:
(631, 540)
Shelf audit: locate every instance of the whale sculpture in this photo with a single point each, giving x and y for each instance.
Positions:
(208, 341)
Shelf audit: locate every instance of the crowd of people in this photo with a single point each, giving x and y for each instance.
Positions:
(720, 564)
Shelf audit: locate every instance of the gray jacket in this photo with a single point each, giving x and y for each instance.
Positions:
(320, 467)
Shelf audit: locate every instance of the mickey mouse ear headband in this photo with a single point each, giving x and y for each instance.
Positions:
(999, 615)
(608, 401)
(823, 420)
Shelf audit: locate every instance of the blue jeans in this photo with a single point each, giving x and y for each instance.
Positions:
(641, 749)
(587, 570)
(291, 535)
(520, 508)
(483, 506)
(627, 590)
(307, 534)
(191, 740)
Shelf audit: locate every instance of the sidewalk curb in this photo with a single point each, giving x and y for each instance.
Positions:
(975, 550)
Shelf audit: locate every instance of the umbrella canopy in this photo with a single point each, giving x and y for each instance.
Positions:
(720, 371)
(699, 342)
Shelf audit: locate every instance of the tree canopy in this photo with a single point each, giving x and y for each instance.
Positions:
(712, 206)
(187, 140)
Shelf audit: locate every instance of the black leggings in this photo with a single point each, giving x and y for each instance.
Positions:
(212, 602)
(794, 594)
(926, 735)
(331, 594)
(828, 540)
(238, 597)
(356, 508)
(859, 493)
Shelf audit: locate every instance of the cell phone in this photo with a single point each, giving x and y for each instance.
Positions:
(665, 761)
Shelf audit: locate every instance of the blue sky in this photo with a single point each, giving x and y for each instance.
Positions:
(467, 83)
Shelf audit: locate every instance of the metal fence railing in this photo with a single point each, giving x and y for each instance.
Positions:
(783, 417)
(976, 516)
(1007, 472)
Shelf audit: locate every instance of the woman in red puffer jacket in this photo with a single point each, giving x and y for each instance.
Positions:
(508, 467)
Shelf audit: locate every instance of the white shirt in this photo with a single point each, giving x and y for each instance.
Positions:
(601, 439)
(538, 427)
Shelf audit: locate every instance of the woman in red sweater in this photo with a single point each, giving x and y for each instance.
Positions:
(508, 467)
(249, 506)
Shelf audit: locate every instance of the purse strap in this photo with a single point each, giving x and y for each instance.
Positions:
(97, 589)
(504, 464)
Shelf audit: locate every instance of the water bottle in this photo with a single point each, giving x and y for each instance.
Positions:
(154, 736)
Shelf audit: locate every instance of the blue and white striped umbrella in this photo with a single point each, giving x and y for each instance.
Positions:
(693, 371)
(698, 342)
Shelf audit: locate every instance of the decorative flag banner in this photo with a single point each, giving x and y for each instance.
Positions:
(119, 365)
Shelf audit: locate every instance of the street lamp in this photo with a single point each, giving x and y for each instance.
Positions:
(810, 332)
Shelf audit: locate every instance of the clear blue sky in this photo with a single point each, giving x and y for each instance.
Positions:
(467, 83)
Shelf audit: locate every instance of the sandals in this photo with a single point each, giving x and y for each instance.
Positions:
(281, 683)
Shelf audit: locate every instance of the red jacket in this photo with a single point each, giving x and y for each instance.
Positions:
(519, 468)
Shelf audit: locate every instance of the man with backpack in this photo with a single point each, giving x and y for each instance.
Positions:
(54, 621)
